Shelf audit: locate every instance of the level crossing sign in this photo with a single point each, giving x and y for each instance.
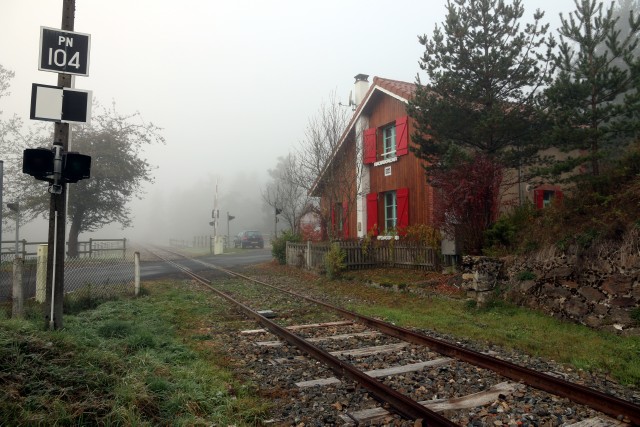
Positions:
(64, 51)
(60, 104)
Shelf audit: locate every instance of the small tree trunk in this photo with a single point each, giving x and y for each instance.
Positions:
(74, 232)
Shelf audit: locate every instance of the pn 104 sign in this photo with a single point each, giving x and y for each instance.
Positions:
(64, 51)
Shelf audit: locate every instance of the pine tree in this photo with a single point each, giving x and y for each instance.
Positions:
(594, 100)
(485, 74)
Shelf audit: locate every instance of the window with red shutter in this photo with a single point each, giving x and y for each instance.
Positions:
(543, 198)
(369, 145)
(372, 213)
(333, 218)
(345, 219)
(402, 199)
(538, 194)
(402, 136)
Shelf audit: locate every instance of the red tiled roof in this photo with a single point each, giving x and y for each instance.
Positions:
(402, 89)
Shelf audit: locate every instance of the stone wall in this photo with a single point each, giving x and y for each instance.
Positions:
(599, 288)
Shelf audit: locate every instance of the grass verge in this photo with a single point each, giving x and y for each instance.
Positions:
(146, 361)
(508, 326)
(440, 308)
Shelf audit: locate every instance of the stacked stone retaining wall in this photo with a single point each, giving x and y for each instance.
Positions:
(599, 287)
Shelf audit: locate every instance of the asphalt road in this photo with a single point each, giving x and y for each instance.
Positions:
(157, 269)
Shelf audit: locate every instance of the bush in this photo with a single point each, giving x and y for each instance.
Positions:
(334, 261)
(279, 245)
(424, 235)
(526, 275)
(502, 236)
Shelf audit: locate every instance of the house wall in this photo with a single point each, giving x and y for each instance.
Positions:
(516, 191)
(342, 189)
(406, 172)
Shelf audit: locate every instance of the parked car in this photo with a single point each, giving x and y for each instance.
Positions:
(249, 239)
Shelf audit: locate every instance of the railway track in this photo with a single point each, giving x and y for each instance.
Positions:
(339, 341)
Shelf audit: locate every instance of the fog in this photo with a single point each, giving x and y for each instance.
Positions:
(232, 84)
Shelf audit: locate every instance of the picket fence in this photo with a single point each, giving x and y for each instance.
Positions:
(381, 253)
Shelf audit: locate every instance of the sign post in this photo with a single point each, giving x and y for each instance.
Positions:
(74, 60)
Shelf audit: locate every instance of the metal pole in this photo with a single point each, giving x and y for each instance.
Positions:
(57, 204)
(228, 235)
(53, 281)
(17, 229)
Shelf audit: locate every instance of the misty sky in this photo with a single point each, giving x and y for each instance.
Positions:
(232, 83)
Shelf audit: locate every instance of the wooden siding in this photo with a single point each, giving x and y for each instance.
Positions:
(406, 172)
(337, 192)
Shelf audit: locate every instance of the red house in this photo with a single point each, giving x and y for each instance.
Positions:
(374, 183)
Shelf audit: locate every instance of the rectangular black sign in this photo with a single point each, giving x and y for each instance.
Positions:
(64, 51)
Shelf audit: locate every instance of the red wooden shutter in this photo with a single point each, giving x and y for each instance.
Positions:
(538, 198)
(558, 196)
(345, 219)
(402, 199)
(369, 145)
(333, 218)
(402, 136)
(372, 213)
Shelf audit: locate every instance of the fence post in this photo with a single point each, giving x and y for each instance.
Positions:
(136, 269)
(41, 273)
(17, 309)
(90, 248)
(124, 247)
(308, 260)
(24, 248)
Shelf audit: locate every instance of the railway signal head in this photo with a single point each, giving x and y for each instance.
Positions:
(76, 166)
(38, 162)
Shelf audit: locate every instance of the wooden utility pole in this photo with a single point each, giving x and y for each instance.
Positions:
(58, 205)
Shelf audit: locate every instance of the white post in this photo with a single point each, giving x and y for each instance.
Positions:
(136, 263)
(308, 254)
(41, 273)
(17, 309)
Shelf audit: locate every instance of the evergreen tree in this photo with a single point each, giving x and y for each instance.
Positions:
(594, 100)
(485, 73)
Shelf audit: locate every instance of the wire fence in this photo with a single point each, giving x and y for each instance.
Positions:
(91, 248)
(105, 275)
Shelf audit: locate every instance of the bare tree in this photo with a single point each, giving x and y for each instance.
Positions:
(325, 164)
(316, 156)
(285, 193)
(321, 140)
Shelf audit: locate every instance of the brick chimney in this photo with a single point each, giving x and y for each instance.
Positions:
(361, 87)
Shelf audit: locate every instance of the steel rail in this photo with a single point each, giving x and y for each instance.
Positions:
(402, 404)
(602, 402)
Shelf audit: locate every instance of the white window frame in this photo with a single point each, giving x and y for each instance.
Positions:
(390, 211)
(389, 141)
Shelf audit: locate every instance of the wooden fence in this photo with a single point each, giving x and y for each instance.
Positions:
(379, 253)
